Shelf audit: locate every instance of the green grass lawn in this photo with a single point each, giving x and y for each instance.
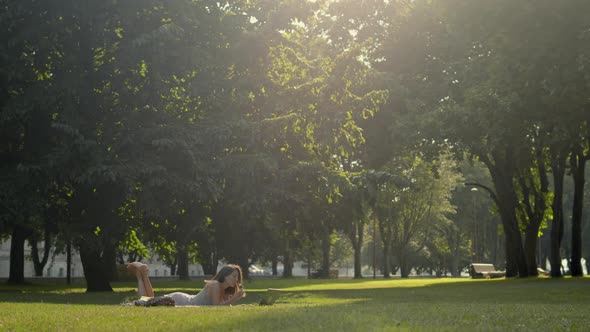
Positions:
(315, 305)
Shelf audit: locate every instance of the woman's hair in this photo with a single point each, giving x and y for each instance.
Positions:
(224, 272)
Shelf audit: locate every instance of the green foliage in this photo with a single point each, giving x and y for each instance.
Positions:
(184, 125)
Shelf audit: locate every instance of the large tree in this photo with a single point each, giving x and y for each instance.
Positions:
(457, 62)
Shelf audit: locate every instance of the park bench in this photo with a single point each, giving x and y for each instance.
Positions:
(480, 270)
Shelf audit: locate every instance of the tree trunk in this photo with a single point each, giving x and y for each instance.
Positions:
(287, 264)
(287, 258)
(515, 258)
(182, 264)
(578, 167)
(403, 264)
(210, 265)
(274, 264)
(558, 162)
(536, 212)
(502, 176)
(120, 258)
(530, 248)
(110, 260)
(326, 244)
(97, 268)
(172, 263)
(357, 261)
(17, 254)
(453, 259)
(386, 241)
(244, 264)
(454, 267)
(356, 239)
(39, 264)
(69, 262)
(386, 265)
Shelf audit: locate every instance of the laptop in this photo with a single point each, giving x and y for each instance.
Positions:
(271, 296)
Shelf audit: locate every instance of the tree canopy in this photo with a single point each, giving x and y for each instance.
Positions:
(264, 130)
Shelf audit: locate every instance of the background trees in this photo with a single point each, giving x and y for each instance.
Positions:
(192, 123)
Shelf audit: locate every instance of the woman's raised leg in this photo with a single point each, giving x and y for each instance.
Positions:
(144, 286)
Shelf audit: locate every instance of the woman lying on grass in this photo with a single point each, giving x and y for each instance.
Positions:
(225, 288)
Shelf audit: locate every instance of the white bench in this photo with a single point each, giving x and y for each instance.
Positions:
(480, 270)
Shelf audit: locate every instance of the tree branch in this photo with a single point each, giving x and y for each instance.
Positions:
(486, 188)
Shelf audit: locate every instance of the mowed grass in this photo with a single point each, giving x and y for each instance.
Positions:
(420, 304)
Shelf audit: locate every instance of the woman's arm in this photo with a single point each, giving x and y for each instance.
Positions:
(236, 297)
(217, 298)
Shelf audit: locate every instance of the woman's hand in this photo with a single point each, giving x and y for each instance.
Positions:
(241, 293)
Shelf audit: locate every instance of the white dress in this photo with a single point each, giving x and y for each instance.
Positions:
(182, 299)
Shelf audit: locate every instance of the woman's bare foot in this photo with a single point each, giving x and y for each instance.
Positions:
(136, 267)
